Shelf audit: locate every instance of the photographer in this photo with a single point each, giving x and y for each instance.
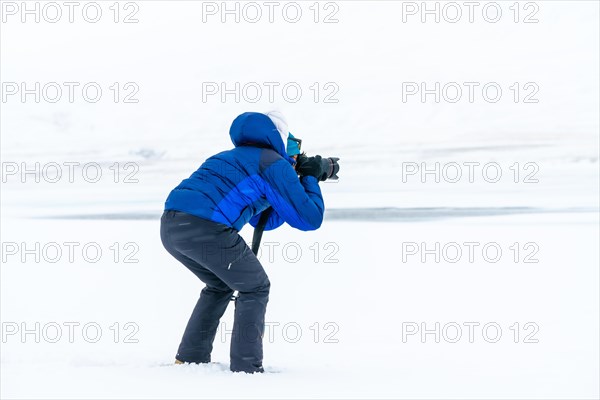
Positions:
(265, 172)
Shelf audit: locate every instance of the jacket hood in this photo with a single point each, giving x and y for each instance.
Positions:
(253, 128)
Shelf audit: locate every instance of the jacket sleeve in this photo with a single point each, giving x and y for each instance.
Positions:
(296, 201)
(274, 221)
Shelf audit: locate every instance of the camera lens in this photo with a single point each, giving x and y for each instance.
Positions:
(331, 167)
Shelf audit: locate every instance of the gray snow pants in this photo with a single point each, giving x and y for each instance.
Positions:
(221, 259)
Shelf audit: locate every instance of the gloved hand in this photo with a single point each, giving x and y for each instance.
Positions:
(312, 166)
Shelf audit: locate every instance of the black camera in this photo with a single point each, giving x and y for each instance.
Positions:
(321, 168)
(330, 167)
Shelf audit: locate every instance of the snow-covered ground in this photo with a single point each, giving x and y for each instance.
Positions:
(362, 304)
(350, 301)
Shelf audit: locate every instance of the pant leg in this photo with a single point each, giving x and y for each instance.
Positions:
(249, 323)
(225, 254)
(197, 341)
(245, 274)
(199, 335)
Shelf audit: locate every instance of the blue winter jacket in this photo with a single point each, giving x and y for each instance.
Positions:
(235, 186)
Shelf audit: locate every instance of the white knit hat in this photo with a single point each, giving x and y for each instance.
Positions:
(281, 124)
